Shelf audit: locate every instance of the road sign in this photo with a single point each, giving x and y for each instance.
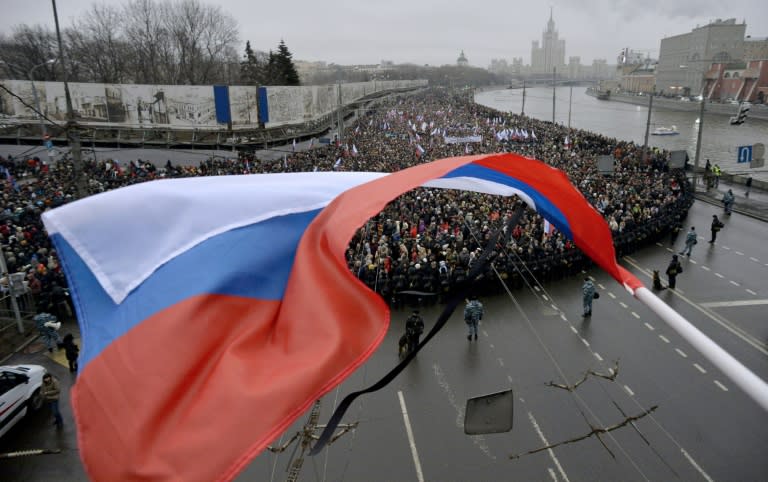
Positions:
(745, 154)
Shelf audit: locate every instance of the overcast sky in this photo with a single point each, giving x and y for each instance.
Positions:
(434, 32)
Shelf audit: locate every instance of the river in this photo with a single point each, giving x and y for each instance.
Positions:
(720, 140)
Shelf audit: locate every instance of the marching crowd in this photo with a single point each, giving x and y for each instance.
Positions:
(424, 241)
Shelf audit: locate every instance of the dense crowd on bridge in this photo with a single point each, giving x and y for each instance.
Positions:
(427, 239)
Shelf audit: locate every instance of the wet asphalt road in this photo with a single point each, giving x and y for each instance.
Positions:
(704, 428)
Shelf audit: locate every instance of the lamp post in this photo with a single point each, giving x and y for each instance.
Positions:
(43, 130)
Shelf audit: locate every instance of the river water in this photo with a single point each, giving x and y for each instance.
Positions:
(720, 140)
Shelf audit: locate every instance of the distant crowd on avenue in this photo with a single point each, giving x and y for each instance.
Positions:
(423, 242)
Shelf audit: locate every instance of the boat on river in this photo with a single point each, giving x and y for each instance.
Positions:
(665, 131)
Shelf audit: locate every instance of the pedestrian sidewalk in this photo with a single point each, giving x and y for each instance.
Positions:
(12, 342)
(755, 205)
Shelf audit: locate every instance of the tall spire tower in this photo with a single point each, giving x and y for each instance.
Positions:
(551, 53)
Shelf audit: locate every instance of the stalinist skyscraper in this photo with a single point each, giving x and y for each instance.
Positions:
(551, 53)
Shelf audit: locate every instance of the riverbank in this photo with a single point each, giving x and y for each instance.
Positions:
(758, 111)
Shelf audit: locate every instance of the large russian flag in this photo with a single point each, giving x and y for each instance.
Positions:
(214, 311)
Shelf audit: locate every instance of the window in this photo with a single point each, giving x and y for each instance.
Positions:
(727, 75)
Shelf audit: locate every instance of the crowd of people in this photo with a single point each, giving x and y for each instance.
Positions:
(423, 242)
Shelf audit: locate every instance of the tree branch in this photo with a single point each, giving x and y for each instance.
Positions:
(595, 431)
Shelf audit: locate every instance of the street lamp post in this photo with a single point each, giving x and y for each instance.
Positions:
(43, 129)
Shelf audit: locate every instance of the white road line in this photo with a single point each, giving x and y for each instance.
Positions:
(623, 305)
(635, 315)
(629, 390)
(554, 307)
(734, 283)
(681, 353)
(670, 250)
(612, 295)
(544, 297)
(610, 370)
(664, 338)
(659, 245)
(719, 275)
(722, 387)
(597, 355)
(537, 288)
(601, 286)
(501, 362)
(562, 316)
(485, 333)
(726, 247)
(720, 304)
(492, 346)
(706, 268)
(585, 342)
(411, 441)
(552, 473)
(509, 378)
(545, 442)
(754, 259)
(751, 292)
(692, 261)
(739, 253)
(574, 330)
(650, 327)
(699, 368)
(696, 466)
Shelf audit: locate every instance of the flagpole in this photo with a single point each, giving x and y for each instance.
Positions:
(742, 376)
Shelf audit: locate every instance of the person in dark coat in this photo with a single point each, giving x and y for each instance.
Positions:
(716, 226)
(414, 327)
(72, 351)
(674, 269)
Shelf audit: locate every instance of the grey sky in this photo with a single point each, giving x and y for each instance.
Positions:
(434, 32)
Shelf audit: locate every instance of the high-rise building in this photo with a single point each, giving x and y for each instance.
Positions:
(551, 53)
(684, 58)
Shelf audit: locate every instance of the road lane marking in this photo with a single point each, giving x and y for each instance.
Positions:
(501, 362)
(509, 378)
(722, 387)
(699, 368)
(585, 342)
(536, 288)
(601, 286)
(723, 322)
(706, 268)
(597, 355)
(739, 253)
(751, 292)
(719, 275)
(721, 304)
(650, 327)
(635, 315)
(670, 250)
(666, 340)
(545, 442)
(552, 474)
(659, 245)
(612, 295)
(544, 297)
(696, 466)
(623, 305)
(726, 247)
(734, 283)
(754, 259)
(573, 329)
(692, 261)
(629, 390)
(681, 353)
(411, 441)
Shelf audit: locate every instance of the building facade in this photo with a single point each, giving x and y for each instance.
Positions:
(551, 53)
(684, 58)
(740, 81)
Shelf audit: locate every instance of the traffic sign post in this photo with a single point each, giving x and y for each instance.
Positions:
(745, 154)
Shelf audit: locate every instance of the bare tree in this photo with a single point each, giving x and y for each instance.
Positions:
(202, 38)
(152, 61)
(27, 47)
(96, 44)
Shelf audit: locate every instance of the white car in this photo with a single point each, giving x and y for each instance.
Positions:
(19, 393)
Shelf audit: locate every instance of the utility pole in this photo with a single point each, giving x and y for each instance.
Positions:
(523, 111)
(72, 135)
(698, 138)
(570, 101)
(339, 115)
(554, 81)
(648, 124)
